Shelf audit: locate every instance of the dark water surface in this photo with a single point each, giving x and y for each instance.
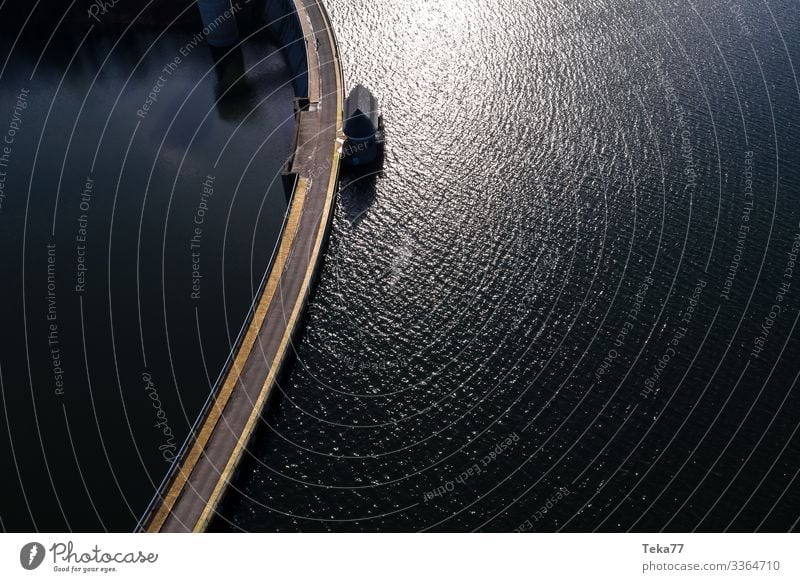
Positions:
(570, 301)
(132, 237)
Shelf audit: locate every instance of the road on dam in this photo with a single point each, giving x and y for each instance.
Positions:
(190, 494)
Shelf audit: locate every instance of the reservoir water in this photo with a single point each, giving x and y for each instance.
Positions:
(570, 300)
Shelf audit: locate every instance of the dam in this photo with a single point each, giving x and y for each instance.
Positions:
(189, 495)
(148, 181)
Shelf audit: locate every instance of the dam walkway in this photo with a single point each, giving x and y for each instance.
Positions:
(191, 493)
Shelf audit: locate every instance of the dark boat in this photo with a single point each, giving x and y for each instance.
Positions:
(363, 128)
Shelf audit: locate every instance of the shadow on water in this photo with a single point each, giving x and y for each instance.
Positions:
(235, 93)
(358, 193)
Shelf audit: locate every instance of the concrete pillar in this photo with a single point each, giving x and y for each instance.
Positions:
(219, 22)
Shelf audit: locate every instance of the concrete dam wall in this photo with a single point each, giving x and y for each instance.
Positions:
(188, 497)
(284, 24)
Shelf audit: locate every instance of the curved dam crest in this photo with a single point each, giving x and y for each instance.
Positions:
(198, 478)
